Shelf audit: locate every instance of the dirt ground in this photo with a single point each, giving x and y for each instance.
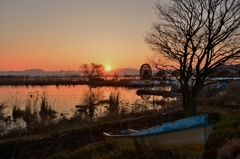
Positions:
(41, 146)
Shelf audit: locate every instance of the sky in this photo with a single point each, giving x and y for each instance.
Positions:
(63, 34)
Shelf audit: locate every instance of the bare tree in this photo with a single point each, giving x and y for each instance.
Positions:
(87, 70)
(99, 69)
(195, 37)
(92, 70)
(160, 73)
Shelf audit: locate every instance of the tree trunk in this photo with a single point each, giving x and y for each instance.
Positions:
(189, 105)
(190, 102)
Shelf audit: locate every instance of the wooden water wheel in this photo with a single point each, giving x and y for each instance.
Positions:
(145, 71)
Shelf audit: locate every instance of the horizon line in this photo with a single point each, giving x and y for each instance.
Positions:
(59, 70)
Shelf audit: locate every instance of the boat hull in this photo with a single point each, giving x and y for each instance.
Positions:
(190, 140)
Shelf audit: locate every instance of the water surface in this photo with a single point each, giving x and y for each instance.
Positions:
(63, 99)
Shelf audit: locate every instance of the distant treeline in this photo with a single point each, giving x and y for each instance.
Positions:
(61, 80)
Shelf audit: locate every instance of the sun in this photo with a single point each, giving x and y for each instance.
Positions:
(108, 68)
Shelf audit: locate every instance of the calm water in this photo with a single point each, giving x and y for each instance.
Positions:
(63, 99)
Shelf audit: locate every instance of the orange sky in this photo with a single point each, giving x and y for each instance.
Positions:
(63, 34)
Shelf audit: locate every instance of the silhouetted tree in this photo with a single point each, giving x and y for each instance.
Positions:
(99, 69)
(92, 70)
(175, 73)
(195, 37)
(160, 73)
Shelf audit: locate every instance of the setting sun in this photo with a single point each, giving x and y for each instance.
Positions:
(108, 68)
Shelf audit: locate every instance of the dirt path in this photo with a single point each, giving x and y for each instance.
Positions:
(41, 146)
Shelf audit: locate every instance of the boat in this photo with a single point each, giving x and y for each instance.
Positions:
(187, 135)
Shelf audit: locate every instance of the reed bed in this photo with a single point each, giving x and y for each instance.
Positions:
(114, 103)
(45, 107)
(2, 108)
(35, 110)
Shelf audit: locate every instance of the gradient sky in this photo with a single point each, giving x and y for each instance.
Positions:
(63, 34)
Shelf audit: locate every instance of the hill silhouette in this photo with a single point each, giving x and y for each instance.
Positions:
(40, 72)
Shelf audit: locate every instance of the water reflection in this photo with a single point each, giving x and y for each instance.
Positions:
(95, 104)
(51, 103)
(145, 96)
(88, 102)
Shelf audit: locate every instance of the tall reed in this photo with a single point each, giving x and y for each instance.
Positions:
(2, 107)
(45, 107)
(114, 102)
(31, 106)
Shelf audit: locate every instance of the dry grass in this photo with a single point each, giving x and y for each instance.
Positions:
(35, 110)
(230, 149)
(2, 107)
(113, 103)
(104, 150)
(46, 108)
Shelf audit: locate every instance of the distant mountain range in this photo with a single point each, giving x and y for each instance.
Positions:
(39, 72)
(120, 71)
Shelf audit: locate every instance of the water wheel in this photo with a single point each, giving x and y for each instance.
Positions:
(145, 71)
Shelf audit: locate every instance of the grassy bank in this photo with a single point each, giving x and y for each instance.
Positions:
(223, 142)
(74, 138)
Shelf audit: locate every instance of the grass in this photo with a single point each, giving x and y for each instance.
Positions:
(97, 150)
(227, 127)
(37, 113)
(104, 150)
(114, 103)
(2, 107)
(230, 149)
(45, 108)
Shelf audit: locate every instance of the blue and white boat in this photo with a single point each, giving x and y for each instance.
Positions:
(188, 135)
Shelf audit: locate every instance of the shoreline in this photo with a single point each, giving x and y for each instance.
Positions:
(22, 82)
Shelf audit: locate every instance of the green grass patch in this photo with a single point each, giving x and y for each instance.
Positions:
(227, 127)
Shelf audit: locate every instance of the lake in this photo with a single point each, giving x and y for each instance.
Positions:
(64, 99)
